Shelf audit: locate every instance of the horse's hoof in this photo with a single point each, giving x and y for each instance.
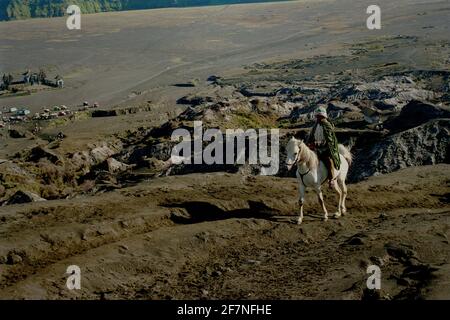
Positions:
(337, 215)
(325, 219)
(299, 221)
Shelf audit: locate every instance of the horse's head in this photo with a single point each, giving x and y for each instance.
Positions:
(293, 152)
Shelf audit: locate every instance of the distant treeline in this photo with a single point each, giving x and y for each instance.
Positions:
(25, 9)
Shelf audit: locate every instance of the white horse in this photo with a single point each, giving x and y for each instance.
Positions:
(312, 173)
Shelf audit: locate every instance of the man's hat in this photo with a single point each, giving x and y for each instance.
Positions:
(321, 111)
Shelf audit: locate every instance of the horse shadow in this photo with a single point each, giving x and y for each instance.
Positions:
(190, 212)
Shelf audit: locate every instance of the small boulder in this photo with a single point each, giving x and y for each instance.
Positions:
(24, 197)
(40, 152)
(115, 166)
(14, 258)
(400, 252)
(355, 240)
(17, 133)
(101, 153)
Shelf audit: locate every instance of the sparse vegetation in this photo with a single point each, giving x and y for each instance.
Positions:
(18, 9)
(252, 120)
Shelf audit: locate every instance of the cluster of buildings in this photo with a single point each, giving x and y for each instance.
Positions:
(32, 78)
(87, 106)
(15, 115)
(55, 112)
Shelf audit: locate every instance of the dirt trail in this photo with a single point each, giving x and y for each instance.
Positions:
(231, 236)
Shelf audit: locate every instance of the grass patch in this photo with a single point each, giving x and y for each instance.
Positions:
(247, 120)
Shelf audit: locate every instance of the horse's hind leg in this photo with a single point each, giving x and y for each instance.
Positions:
(343, 187)
(322, 203)
(301, 200)
(339, 192)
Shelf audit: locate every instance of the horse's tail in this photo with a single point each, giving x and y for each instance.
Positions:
(346, 154)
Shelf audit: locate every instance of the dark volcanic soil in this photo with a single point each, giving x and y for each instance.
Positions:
(198, 239)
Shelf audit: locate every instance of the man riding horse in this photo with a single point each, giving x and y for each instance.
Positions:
(323, 141)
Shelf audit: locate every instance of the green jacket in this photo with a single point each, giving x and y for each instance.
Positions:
(331, 143)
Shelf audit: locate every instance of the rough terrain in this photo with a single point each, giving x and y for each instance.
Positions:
(99, 190)
(193, 237)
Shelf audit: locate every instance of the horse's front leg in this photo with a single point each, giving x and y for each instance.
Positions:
(301, 200)
(322, 203)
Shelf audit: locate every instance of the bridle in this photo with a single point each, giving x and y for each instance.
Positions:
(302, 175)
(297, 158)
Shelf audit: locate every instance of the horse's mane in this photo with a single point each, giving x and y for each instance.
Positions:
(308, 156)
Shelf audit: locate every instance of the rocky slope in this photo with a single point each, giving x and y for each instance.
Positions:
(427, 144)
(405, 132)
(390, 114)
(383, 122)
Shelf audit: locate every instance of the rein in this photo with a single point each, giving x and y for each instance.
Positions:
(301, 174)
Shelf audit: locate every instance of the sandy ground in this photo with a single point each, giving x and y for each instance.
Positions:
(116, 54)
(193, 237)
